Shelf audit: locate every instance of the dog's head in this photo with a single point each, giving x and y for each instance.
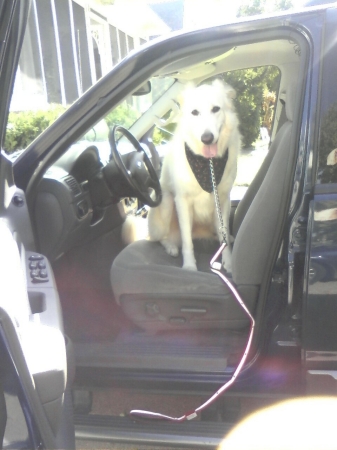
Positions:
(207, 112)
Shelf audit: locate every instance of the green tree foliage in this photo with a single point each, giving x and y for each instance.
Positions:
(123, 115)
(251, 86)
(251, 8)
(23, 127)
(249, 91)
(254, 86)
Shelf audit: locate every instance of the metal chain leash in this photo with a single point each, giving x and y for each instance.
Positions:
(222, 228)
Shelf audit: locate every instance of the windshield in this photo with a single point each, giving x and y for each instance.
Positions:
(129, 111)
(127, 114)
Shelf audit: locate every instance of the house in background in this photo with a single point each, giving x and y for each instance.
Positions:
(75, 42)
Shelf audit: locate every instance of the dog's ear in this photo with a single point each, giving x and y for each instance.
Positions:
(219, 84)
(186, 95)
(190, 85)
(230, 92)
(188, 89)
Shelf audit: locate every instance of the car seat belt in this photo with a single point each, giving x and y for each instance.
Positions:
(215, 266)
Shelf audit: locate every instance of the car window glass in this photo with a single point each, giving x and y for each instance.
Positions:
(327, 169)
(24, 126)
(59, 62)
(125, 114)
(327, 135)
(255, 102)
(129, 111)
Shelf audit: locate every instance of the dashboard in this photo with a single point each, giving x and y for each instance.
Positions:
(74, 204)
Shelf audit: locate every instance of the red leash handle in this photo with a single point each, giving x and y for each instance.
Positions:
(215, 267)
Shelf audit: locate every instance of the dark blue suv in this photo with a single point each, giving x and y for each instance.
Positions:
(96, 320)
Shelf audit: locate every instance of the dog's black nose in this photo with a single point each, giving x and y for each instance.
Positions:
(207, 138)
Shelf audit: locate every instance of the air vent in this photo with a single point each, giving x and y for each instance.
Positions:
(74, 186)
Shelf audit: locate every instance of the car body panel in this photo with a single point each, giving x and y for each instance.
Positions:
(319, 310)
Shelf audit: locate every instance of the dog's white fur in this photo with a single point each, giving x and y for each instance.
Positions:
(187, 211)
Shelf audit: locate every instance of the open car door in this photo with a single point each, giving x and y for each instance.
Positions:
(34, 402)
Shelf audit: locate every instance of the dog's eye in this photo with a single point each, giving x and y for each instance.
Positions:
(195, 112)
(215, 109)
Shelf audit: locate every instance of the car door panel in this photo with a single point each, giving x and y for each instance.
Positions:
(31, 325)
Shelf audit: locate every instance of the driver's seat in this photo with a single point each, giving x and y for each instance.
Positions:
(157, 294)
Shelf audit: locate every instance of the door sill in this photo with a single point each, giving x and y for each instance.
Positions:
(124, 430)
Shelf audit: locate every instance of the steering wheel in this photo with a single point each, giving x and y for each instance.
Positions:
(140, 174)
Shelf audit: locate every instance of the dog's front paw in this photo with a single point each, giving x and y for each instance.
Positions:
(171, 249)
(189, 266)
(189, 262)
(227, 260)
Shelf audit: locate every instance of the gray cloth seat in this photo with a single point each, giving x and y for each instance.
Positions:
(157, 294)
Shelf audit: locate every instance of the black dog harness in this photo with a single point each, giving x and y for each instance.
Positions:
(200, 168)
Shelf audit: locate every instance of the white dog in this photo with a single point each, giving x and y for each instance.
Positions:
(208, 129)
